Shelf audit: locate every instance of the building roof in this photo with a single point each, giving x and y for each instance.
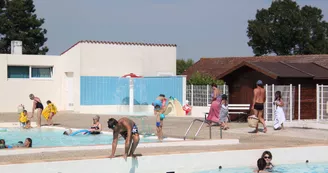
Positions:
(284, 70)
(119, 43)
(217, 66)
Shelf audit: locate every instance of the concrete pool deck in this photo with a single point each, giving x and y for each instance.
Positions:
(174, 127)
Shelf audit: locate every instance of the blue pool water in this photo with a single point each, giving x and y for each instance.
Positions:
(294, 168)
(47, 137)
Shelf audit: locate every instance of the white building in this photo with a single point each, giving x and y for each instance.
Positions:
(57, 78)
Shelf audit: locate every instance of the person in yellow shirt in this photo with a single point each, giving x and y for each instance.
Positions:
(49, 112)
(23, 118)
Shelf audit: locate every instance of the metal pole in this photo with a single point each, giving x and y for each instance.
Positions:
(192, 95)
(210, 132)
(224, 88)
(266, 102)
(299, 102)
(321, 101)
(272, 107)
(207, 91)
(318, 101)
(220, 133)
(291, 102)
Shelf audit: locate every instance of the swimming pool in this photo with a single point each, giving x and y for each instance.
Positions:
(294, 168)
(50, 137)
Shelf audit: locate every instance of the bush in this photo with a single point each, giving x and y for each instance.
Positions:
(203, 79)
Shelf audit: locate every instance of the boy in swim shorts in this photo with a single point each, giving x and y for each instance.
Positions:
(159, 106)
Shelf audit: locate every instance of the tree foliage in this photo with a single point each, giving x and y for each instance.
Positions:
(203, 79)
(183, 65)
(18, 21)
(286, 29)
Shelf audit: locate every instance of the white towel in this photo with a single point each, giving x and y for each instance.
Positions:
(279, 117)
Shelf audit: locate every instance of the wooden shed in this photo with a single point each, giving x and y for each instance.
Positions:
(241, 74)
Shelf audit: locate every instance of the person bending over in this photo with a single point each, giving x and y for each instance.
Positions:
(129, 131)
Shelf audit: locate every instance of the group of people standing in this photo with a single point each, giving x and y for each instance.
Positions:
(219, 113)
(48, 113)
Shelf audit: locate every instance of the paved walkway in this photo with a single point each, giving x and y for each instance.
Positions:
(175, 127)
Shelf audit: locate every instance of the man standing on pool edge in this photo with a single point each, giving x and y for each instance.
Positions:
(129, 131)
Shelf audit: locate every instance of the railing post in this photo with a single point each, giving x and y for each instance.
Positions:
(318, 101)
(192, 95)
(266, 102)
(224, 88)
(207, 91)
(299, 102)
(291, 102)
(272, 108)
(321, 101)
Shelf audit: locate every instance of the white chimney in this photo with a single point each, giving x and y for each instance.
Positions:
(16, 47)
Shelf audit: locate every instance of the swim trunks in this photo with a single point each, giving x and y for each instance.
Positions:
(157, 105)
(158, 124)
(259, 106)
(38, 105)
(124, 134)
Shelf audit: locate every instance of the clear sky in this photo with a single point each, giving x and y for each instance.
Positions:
(200, 28)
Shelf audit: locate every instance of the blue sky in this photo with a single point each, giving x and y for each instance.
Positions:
(200, 28)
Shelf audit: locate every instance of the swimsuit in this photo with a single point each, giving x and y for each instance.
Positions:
(124, 134)
(96, 128)
(38, 105)
(259, 106)
(158, 124)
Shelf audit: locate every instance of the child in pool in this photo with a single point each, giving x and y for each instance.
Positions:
(49, 112)
(28, 125)
(23, 118)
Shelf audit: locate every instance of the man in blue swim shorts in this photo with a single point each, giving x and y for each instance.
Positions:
(129, 131)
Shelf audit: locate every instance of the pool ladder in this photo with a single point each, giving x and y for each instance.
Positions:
(203, 122)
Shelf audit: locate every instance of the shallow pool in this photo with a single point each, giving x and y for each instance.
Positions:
(49, 137)
(294, 168)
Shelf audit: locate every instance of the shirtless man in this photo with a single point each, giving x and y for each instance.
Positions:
(258, 104)
(129, 131)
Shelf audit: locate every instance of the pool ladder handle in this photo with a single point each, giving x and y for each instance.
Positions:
(203, 121)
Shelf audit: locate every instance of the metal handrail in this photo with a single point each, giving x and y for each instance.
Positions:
(203, 121)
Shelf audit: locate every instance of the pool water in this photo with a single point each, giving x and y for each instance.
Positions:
(294, 168)
(48, 137)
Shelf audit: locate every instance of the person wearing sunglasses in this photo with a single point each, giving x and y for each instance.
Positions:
(267, 156)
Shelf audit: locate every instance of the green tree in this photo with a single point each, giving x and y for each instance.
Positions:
(183, 65)
(203, 79)
(286, 29)
(18, 21)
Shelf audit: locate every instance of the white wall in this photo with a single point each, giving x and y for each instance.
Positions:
(72, 62)
(118, 60)
(16, 91)
(180, 163)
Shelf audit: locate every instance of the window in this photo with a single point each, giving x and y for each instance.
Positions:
(18, 71)
(27, 72)
(41, 72)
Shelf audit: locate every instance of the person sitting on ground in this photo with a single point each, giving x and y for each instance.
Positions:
(49, 112)
(267, 156)
(261, 166)
(28, 143)
(23, 118)
(129, 131)
(96, 126)
(224, 112)
(28, 125)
